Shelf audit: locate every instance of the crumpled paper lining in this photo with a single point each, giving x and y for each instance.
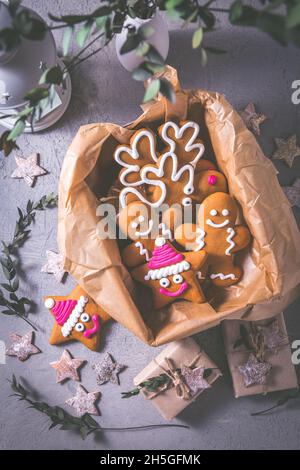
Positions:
(271, 266)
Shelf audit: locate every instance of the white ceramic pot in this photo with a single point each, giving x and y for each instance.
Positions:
(159, 39)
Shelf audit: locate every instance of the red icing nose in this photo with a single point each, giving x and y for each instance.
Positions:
(212, 179)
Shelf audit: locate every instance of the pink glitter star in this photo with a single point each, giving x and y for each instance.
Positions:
(28, 169)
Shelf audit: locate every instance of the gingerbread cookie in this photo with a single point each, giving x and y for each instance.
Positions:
(171, 275)
(140, 151)
(77, 317)
(218, 235)
(209, 182)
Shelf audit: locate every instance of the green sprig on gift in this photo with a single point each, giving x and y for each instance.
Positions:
(12, 303)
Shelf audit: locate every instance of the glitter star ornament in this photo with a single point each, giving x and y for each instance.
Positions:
(293, 193)
(84, 402)
(28, 169)
(108, 370)
(252, 119)
(287, 150)
(272, 335)
(254, 371)
(67, 367)
(54, 265)
(22, 346)
(194, 379)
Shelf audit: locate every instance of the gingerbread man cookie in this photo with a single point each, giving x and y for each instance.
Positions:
(132, 157)
(171, 275)
(77, 317)
(218, 235)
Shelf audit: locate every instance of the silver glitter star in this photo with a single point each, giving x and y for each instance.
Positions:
(66, 367)
(108, 370)
(293, 193)
(287, 150)
(272, 335)
(54, 265)
(84, 402)
(28, 168)
(22, 346)
(252, 119)
(254, 371)
(194, 379)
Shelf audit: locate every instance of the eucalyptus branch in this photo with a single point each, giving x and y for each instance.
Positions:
(13, 304)
(85, 425)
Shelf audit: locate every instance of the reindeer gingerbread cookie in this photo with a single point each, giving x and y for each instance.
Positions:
(77, 317)
(171, 275)
(218, 235)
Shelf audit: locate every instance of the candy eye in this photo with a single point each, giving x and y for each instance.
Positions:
(141, 218)
(134, 224)
(225, 212)
(79, 327)
(186, 201)
(177, 279)
(213, 212)
(164, 282)
(189, 190)
(84, 317)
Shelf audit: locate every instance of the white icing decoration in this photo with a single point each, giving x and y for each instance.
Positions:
(177, 279)
(146, 232)
(200, 239)
(74, 317)
(165, 231)
(213, 212)
(133, 152)
(125, 191)
(225, 212)
(179, 131)
(134, 224)
(231, 233)
(160, 241)
(214, 225)
(186, 201)
(222, 276)
(141, 218)
(155, 274)
(164, 282)
(79, 327)
(143, 250)
(49, 303)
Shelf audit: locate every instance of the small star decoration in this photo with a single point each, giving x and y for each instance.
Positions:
(293, 193)
(252, 119)
(254, 371)
(28, 168)
(287, 150)
(54, 265)
(84, 402)
(194, 379)
(66, 367)
(272, 335)
(22, 346)
(108, 370)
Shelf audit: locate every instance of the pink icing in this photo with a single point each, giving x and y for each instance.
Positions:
(212, 180)
(63, 309)
(178, 292)
(164, 256)
(92, 331)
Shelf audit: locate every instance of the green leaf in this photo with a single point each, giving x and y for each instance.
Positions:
(83, 432)
(236, 11)
(83, 34)
(197, 38)
(141, 73)
(142, 49)
(66, 41)
(207, 17)
(36, 94)
(131, 43)
(17, 130)
(146, 31)
(154, 56)
(7, 146)
(152, 90)
(215, 50)
(293, 17)
(54, 75)
(203, 57)
(167, 90)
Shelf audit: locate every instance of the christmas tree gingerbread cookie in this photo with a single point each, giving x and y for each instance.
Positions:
(171, 275)
(77, 317)
(218, 235)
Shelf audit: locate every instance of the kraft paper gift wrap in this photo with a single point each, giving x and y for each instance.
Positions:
(282, 375)
(271, 264)
(181, 353)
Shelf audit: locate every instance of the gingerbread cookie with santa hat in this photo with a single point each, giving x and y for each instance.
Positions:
(77, 317)
(171, 275)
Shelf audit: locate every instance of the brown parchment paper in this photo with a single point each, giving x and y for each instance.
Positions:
(271, 266)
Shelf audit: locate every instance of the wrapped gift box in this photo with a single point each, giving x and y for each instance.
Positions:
(181, 353)
(282, 375)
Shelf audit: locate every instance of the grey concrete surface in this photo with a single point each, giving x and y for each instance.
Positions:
(254, 69)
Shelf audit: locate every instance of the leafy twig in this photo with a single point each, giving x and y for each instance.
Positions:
(282, 401)
(85, 425)
(15, 305)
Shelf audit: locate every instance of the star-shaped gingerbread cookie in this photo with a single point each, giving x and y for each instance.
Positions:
(67, 367)
(28, 168)
(77, 317)
(54, 265)
(84, 402)
(287, 150)
(254, 371)
(252, 119)
(108, 370)
(22, 346)
(194, 379)
(171, 275)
